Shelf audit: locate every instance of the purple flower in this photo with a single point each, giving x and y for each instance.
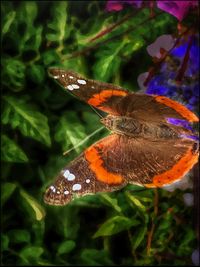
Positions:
(141, 78)
(178, 9)
(119, 5)
(188, 199)
(195, 257)
(164, 82)
(165, 42)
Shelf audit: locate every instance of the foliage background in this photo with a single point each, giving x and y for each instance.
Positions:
(40, 121)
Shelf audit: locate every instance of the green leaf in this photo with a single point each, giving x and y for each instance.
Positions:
(68, 221)
(38, 227)
(69, 131)
(133, 45)
(37, 208)
(93, 30)
(111, 202)
(36, 73)
(11, 152)
(46, 263)
(19, 236)
(50, 57)
(139, 236)
(94, 257)
(136, 202)
(28, 12)
(140, 193)
(92, 120)
(75, 64)
(66, 247)
(115, 225)
(6, 191)
(7, 21)
(108, 61)
(188, 239)
(26, 118)
(31, 254)
(4, 242)
(58, 23)
(32, 36)
(35, 40)
(14, 74)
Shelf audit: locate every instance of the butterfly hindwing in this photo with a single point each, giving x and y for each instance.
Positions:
(122, 160)
(116, 160)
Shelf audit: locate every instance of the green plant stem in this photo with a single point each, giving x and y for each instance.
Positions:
(113, 26)
(132, 249)
(151, 231)
(106, 244)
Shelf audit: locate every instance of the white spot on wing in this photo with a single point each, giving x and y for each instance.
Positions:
(63, 75)
(81, 81)
(53, 188)
(56, 76)
(71, 77)
(75, 86)
(76, 187)
(88, 181)
(66, 192)
(66, 173)
(71, 177)
(70, 87)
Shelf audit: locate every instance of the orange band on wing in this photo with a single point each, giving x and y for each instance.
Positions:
(186, 113)
(102, 174)
(178, 170)
(97, 99)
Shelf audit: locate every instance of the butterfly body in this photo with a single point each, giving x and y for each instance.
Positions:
(142, 129)
(143, 148)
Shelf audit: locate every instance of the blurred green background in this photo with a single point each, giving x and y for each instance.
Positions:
(41, 121)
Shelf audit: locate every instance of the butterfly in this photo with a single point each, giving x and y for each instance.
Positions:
(143, 148)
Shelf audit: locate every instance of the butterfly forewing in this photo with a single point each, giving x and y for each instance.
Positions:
(103, 96)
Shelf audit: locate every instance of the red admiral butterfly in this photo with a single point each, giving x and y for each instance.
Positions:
(143, 147)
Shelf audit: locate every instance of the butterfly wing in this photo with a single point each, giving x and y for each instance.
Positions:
(117, 101)
(141, 161)
(116, 160)
(153, 108)
(103, 96)
(81, 176)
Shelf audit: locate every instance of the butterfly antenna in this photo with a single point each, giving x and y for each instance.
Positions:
(83, 141)
(96, 112)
